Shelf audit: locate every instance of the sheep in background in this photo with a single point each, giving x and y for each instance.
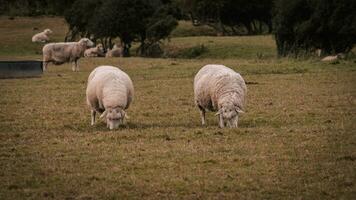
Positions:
(114, 52)
(110, 92)
(219, 88)
(63, 52)
(333, 58)
(95, 51)
(42, 37)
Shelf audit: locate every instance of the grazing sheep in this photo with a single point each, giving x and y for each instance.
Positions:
(115, 52)
(42, 37)
(219, 88)
(110, 92)
(95, 51)
(59, 53)
(332, 58)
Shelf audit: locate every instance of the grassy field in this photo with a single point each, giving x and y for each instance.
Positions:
(297, 139)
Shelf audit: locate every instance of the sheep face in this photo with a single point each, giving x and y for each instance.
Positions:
(340, 56)
(86, 42)
(229, 114)
(114, 117)
(48, 31)
(100, 48)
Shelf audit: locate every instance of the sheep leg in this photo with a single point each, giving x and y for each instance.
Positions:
(93, 113)
(221, 121)
(73, 66)
(202, 114)
(76, 66)
(235, 122)
(45, 64)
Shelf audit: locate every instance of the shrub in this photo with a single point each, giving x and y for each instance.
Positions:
(302, 26)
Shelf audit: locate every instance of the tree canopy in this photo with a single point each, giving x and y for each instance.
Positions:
(230, 16)
(144, 21)
(302, 26)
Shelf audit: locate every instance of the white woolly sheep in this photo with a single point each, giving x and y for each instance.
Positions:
(63, 52)
(42, 37)
(95, 51)
(110, 91)
(114, 52)
(219, 88)
(332, 58)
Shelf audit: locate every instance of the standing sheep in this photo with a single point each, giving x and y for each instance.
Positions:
(95, 51)
(219, 88)
(42, 37)
(110, 92)
(59, 53)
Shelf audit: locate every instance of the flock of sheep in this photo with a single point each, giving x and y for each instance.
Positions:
(110, 91)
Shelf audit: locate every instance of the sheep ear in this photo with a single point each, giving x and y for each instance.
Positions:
(104, 114)
(125, 115)
(238, 110)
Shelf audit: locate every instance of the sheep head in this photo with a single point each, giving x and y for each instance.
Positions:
(114, 117)
(340, 56)
(100, 48)
(48, 31)
(229, 113)
(86, 42)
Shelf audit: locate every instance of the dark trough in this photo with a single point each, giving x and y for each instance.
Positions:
(20, 69)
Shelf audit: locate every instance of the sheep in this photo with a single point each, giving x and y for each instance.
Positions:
(109, 91)
(59, 53)
(333, 58)
(114, 52)
(42, 37)
(95, 51)
(219, 88)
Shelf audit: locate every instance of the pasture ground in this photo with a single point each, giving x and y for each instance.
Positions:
(297, 139)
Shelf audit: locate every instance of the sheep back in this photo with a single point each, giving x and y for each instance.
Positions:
(213, 82)
(108, 86)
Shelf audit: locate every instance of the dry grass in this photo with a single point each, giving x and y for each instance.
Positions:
(296, 141)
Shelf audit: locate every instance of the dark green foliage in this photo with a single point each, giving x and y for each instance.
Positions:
(79, 17)
(302, 26)
(230, 16)
(143, 21)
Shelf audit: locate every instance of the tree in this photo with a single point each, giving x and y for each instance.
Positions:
(144, 21)
(302, 26)
(79, 17)
(228, 16)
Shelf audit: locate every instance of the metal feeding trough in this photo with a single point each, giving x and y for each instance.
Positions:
(20, 69)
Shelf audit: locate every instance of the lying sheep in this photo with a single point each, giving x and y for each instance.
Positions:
(42, 37)
(219, 88)
(114, 52)
(332, 58)
(110, 92)
(59, 53)
(95, 51)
